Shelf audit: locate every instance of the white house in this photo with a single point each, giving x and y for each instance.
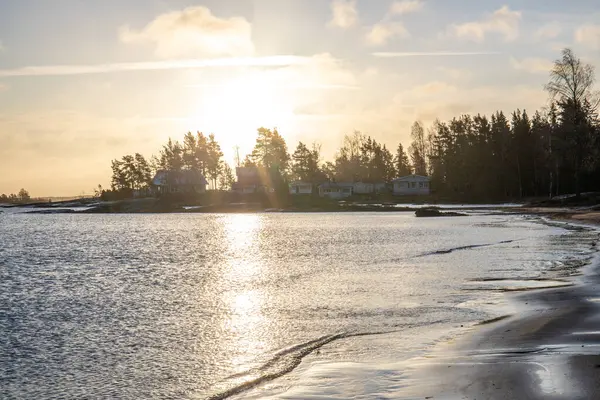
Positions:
(412, 185)
(363, 188)
(299, 188)
(335, 190)
(368, 188)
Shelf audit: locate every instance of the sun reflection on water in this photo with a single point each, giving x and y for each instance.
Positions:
(245, 322)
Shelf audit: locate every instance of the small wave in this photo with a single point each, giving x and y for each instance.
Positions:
(282, 363)
(467, 247)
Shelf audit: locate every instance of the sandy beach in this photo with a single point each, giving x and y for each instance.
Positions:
(549, 349)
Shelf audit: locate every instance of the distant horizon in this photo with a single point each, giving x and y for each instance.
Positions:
(82, 84)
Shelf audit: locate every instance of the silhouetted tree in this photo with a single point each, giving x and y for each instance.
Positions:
(305, 164)
(214, 164)
(348, 161)
(270, 150)
(572, 85)
(171, 156)
(401, 162)
(23, 196)
(226, 178)
(418, 149)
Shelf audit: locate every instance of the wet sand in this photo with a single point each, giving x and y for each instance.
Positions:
(550, 349)
(566, 214)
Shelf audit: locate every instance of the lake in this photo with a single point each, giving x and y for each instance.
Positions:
(194, 305)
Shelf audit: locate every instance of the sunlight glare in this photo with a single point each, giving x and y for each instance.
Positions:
(251, 100)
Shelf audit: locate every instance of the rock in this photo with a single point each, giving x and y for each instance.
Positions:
(435, 212)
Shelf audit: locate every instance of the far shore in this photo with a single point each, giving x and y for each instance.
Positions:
(252, 205)
(584, 210)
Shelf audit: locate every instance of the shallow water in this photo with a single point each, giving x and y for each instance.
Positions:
(189, 306)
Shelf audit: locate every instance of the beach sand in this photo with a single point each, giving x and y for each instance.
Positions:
(550, 349)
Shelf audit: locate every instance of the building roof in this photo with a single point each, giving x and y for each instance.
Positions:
(412, 177)
(186, 177)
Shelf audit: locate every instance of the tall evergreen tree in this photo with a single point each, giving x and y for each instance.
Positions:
(270, 150)
(214, 163)
(401, 162)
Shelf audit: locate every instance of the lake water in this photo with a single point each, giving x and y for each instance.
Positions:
(193, 306)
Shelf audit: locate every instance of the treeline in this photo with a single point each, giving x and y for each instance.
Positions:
(507, 157)
(19, 198)
(198, 152)
(500, 157)
(472, 158)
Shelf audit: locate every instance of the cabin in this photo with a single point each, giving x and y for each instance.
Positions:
(412, 185)
(368, 188)
(253, 180)
(300, 188)
(188, 181)
(363, 188)
(335, 190)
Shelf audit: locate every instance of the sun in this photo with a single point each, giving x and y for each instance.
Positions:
(243, 104)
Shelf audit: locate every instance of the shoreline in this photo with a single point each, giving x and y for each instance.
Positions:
(550, 349)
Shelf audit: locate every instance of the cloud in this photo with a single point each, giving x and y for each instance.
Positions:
(382, 32)
(405, 7)
(588, 35)
(548, 31)
(345, 13)
(1, 46)
(61, 70)
(387, 28)
(385, 54)
(532, 65)
(194, 31)
(503, 21)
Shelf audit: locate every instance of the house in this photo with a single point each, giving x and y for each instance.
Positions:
(412, 185)
(299, 188)
(363, 188)
(368, 188)
(188, 181)
(380, 187)
(253, 180)
(335, 190)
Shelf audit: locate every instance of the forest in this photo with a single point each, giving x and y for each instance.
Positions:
(470, 157)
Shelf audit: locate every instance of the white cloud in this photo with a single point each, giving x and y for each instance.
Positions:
(345, 13)
(62, 70)
(588, 35)
(405, 7)
(532, 65)
(548, 31)
(194, 31)
(382, 32)
(503, 21)
(387, 54)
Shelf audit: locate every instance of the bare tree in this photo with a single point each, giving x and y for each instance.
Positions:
(572, 80)
(572, 86)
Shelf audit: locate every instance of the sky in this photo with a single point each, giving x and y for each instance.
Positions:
(85, 82)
